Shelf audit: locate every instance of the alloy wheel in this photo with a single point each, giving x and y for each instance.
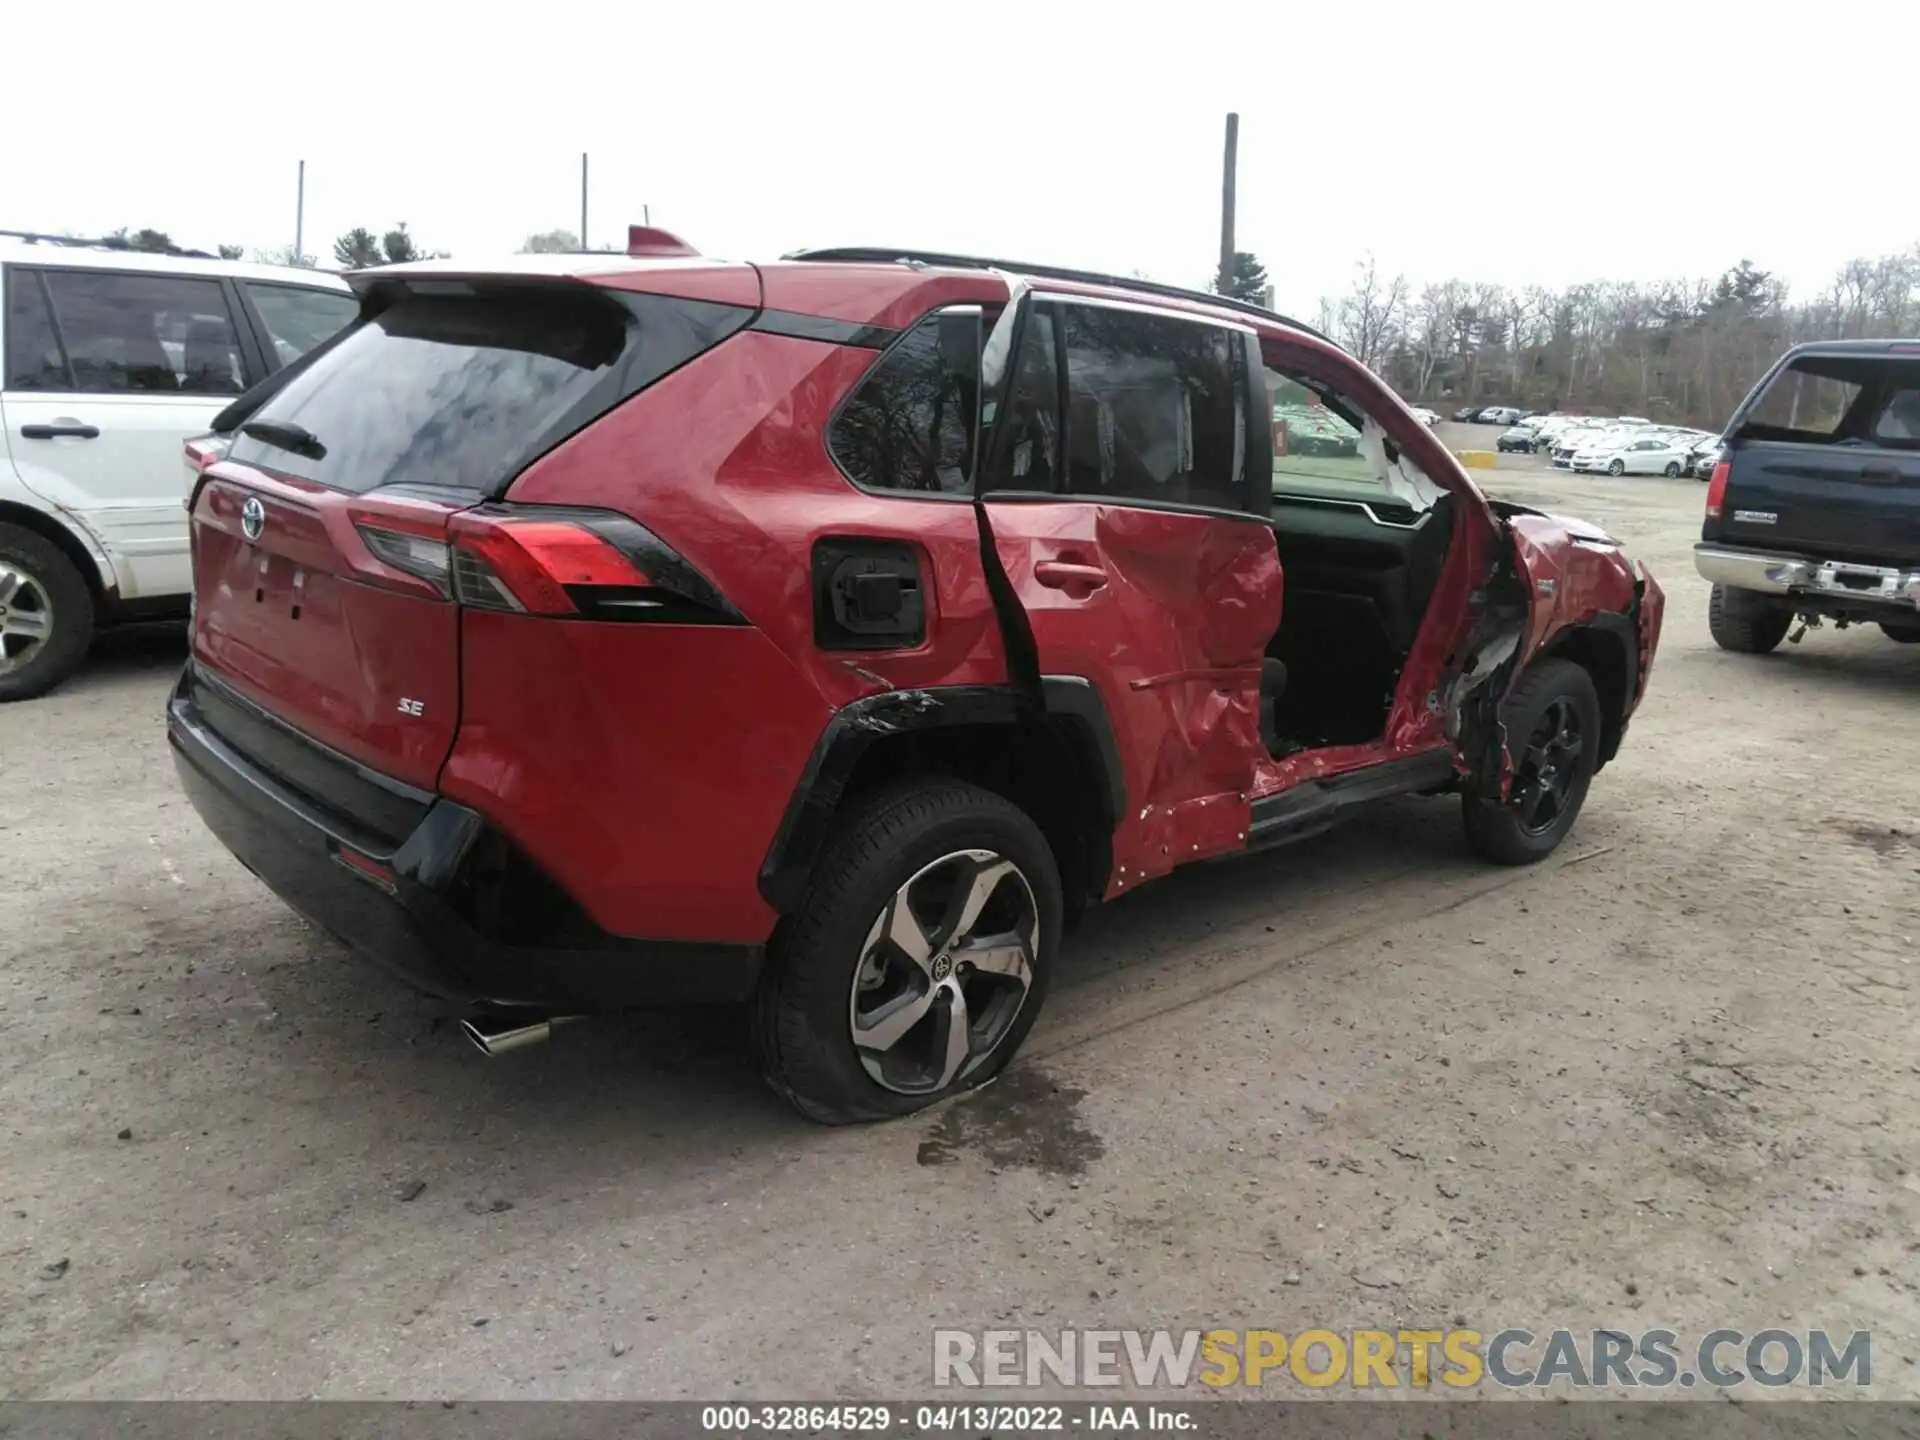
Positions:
(1549, 768)
(944, 972)
(26, 616)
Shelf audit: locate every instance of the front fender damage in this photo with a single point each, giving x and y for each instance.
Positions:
(1474, 691)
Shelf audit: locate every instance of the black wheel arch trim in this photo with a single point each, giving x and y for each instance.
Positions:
(1623, 629)
(855, 728)
(1074, 697)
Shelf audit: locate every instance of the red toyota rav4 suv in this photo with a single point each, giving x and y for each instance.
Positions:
(597, 631)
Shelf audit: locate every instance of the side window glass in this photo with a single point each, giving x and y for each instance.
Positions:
(911, 423)
(299, 318)
(1028, 453)
(1155, 408)
(1899, 418)
(156, 334)
(34, 361)
(1325, 447)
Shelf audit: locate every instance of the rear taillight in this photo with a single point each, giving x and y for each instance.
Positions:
(204, 450)
(419, 555)
(408, 539)
(533, 566)
(1717, 489)
(590, 564)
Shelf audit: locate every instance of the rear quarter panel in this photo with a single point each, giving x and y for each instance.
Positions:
(647, 767)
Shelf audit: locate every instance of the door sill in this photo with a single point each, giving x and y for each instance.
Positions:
(1313, 805)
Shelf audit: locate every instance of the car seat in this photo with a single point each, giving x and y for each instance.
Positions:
(208, 360)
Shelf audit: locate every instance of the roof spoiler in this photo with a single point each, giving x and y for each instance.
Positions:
(646, 242)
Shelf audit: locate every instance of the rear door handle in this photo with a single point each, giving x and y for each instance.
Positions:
(1879, 474)
(54, 432)
(1065, 575)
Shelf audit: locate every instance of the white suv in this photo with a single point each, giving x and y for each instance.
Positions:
(113, 357)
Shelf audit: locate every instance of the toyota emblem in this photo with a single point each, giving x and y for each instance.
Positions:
(253, 518)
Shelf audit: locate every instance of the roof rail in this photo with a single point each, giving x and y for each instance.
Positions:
(875, 255)
(110, 242)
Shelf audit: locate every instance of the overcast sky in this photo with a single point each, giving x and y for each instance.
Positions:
(1486, 141)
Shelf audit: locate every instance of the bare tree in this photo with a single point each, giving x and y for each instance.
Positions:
(551, 242)
(1432, 334)
(1368, 318)
(1686, 349)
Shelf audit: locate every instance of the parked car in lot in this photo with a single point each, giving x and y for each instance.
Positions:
(1425, 416)
(1567, 433)
(1466, 414)
(1499, 415)
(1309, 429)
(1570, 442)
(1633, 453)
(1813, 509)
(1516, 437)
(826, 633)
(1702, 457)
(113, 357)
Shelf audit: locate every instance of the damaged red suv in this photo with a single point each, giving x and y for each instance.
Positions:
(594, 632)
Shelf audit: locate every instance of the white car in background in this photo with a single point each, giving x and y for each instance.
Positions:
(1426, 417)
(1634, 453)
(113, 358)
(1570, 439)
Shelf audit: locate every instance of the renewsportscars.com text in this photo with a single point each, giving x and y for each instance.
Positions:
(1417, 1359)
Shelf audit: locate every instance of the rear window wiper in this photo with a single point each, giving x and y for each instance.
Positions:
(285, 435)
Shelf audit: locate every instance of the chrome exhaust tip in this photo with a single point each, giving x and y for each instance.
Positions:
(497, 1034)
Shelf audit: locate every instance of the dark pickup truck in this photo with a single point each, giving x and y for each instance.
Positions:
(1813, 511)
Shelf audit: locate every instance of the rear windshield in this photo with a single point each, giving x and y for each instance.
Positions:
(1839, 399)
(465, 390)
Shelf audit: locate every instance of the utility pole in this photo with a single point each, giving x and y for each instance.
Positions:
(300, 214)
(1224, 285)
(583, 200)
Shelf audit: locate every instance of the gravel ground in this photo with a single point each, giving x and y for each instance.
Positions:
(1667, 1079)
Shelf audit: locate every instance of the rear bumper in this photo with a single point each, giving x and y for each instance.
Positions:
(1774, 573)
(409, 907)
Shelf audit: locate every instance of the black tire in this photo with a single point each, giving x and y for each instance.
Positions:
(1509, 832)
(1616, 468)
(801, 1027)
(1905, 634)
(39, 574)
(1672, 472)
(1745, 622)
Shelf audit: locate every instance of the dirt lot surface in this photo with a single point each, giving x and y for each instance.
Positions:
(1667, 1078)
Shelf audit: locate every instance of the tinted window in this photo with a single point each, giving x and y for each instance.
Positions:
(299, 318)
(1899, 417)
(34, 361)
(1802, 399)
(465, 390)
(1027, 455)
(911, 423)
(161, 334)
(1155, 408)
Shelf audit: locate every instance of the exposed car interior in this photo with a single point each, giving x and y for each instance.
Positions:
(1362, 537)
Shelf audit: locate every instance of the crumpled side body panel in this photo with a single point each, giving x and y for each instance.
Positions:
(1173, 640)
